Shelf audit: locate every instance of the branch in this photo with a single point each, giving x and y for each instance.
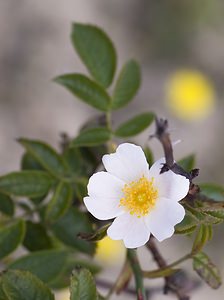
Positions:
(172, 282)
(163, 136)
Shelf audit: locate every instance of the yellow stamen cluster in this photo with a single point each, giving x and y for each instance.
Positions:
(139, 197)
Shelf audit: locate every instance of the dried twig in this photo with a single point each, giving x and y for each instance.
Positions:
(163, 136)
(173, 282)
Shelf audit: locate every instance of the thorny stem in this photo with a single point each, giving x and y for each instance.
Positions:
(132, 257)
(170, 281)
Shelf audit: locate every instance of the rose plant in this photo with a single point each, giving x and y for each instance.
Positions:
(61, 203)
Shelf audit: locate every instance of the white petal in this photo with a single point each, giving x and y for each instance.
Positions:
(103, 184)
(119, 227)
(127, 163)
(105, 192)
(156, 167)
(131, 229)
(103, 208)
(169, 184)
(162, 219)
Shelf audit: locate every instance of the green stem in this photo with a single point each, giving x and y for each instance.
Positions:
(74, 179)
(138, 274)
(110, 145)
(168, 267)
(108, 120)
(180, 260)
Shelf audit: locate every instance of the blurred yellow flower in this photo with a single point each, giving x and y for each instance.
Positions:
(110, 251)
(190, 95)
(62, 295)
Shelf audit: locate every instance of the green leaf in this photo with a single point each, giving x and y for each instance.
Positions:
(200, 216)
(188, 225)
(80, 188)
(204, 234)
(149, 155)
(11, 236)
(212, 191)
(207, 270)
(84, 160)
(92, 158)
(97, 235)
(26, 183)
(63, 280)
(86, 90)
(2, 294)
(46, 264)
(59, 203)
(29, 163)
(196, 216)
(96, 51)
(7, 206)
(187, 163)
(127, 84)
(36, 237)
(92, 137)
(22, 285)
(67, 228)
(160, 273)
(37, 200)
(25, 207)
(45, 155)
(83, 286)
(135, 125)
(74, 161)
(215, 212)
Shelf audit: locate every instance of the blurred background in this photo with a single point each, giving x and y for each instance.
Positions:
(180, 47)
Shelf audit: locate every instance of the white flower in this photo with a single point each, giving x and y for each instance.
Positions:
(141, 200)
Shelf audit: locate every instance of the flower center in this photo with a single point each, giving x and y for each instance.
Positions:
(139, 196)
